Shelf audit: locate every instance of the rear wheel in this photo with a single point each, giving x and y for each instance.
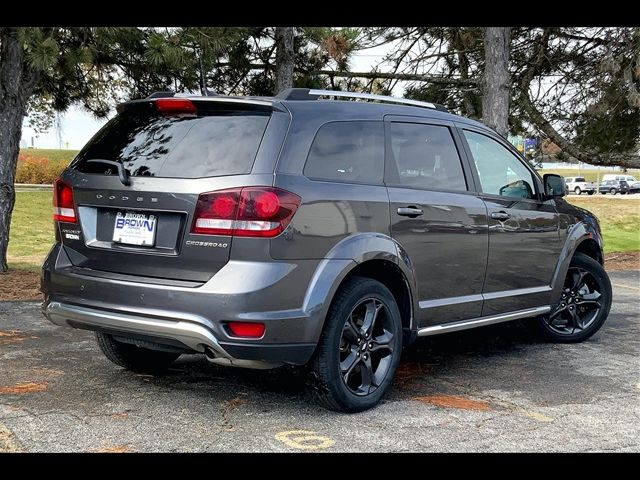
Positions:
(577, 191)
(591, 192)
(585, 303)
(359, 349)
(134, 358)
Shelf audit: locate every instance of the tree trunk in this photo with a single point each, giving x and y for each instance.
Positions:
(284, 58)
(497, 83)
(16, 85)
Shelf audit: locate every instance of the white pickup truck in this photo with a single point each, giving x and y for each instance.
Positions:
(578, 185)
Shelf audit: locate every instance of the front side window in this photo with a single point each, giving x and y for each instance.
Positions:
(500, 171)
(351, 152)
(425, 157)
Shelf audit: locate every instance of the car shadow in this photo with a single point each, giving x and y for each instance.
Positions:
(419, 361)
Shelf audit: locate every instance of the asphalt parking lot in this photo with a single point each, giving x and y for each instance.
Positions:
(491, 389)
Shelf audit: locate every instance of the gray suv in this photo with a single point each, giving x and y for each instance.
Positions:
(307, 230)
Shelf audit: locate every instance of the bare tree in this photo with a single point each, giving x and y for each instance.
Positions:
(284, 58)
(497, 81)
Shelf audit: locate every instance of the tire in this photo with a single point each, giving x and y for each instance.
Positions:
(599, 283)
(326, 382)
(577, 191)
(591, 192)
(613, 191)
(131, 357)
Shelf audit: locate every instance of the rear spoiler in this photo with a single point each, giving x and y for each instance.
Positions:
(248, 102)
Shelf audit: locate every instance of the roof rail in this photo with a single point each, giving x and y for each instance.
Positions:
(313, 94)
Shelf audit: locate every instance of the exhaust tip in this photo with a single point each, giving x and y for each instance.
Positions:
(209, 353)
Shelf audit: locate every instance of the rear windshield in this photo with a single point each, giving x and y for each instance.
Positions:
(579, 179)
(214, 143)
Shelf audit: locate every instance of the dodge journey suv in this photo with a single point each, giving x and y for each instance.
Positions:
(307, 229)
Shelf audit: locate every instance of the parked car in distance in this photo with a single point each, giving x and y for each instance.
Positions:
(613, 187)
(304, 230)
(634, 187)
(578, 185)
(619, 177)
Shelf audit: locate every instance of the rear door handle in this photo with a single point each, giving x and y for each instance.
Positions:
(500, 215)
(410, 211)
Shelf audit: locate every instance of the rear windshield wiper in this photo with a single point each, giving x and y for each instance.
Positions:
(122, 172)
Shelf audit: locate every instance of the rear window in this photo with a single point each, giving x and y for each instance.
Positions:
(579, 179)
(351, 152)
(214, 143)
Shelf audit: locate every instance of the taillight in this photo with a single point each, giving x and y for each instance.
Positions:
(174, 106)
(63, 209)
(246, 329)
(245, 212)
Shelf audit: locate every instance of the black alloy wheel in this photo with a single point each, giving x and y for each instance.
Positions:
(366, 346)
(584, 304)
(580, 305)
(359, 349)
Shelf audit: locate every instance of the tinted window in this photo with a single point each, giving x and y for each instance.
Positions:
(424, 156)
(347, 152)
(579, 179)
(222, 142)
(500, 171)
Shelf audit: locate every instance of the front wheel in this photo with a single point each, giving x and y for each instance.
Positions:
(359, 349)
(613, 191)
(584, 305)
(577, 191)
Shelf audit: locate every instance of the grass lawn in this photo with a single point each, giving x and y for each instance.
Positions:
(589, 175)
(619, 219)
(50, 153)
(32, 226)
(31, 230)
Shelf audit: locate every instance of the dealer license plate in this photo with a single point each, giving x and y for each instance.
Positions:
(135, 229)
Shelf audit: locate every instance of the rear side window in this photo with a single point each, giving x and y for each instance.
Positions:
(351, 152)
(424, 156)
(215, 142)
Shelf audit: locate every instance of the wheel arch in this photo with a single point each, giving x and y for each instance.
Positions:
(590, 247)
(582, 238)
(373, 255)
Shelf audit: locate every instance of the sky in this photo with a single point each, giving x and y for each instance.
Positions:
(78, 125)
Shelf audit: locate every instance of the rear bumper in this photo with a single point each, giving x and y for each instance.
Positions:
(189, 333)
(194, 317)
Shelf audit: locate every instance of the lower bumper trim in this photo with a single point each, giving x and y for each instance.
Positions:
(194, 336)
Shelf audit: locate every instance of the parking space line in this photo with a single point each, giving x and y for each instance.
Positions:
(304, 440)
(619, 285)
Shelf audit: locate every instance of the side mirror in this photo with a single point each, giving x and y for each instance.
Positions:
(554, 185)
